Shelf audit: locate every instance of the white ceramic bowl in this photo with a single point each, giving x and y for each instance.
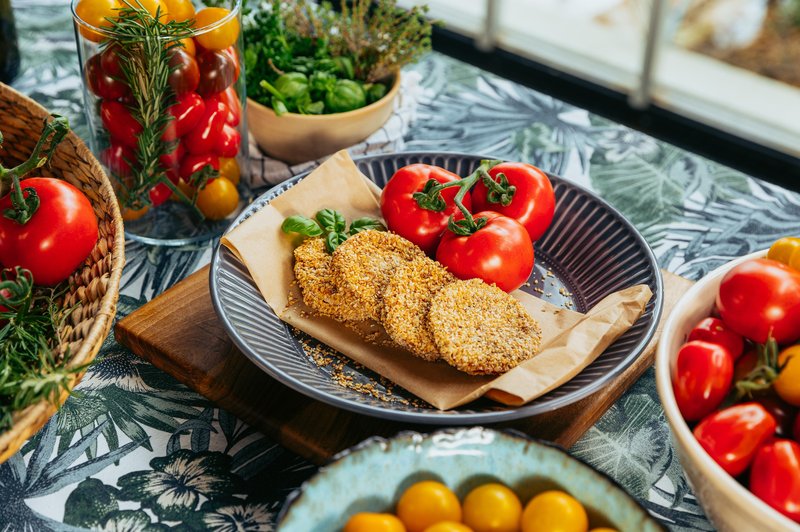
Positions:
(728, 504)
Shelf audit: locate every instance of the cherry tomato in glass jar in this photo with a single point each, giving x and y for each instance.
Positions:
(532, 203)
(184, 75)
(118, 159)
(775, 477)
(500, 252)
(194, 163)
(206, 135)
(179, 10)
(217, 72)
(119, 122)
(159, 194)
(110, 61)
(229, 142)
(231, 99)
(173, 158)
(228, 167)
(715, 331)
(187, 111)
(218, 199)
(95, 13)
(220, 37)
(101, 83)
(732, 436)
(154, 7)
(702, 378)
(237, 67)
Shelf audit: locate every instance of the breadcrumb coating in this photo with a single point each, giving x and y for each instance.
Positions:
(406, 302)
(365, 262)
(481, 330)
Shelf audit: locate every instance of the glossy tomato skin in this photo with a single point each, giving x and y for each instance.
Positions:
(207, 133)
(702, 377)
(193, 163)
(715, 331)
(187, 112)
(103, 84)
(118, 159)
(231, 99)
(405, 217)
(733, 436)
(229, 142)
(775, 477)
(534, 202)
(217, 72)
(173, 158)
(500, 253)
(184, 75)
(159, 194)
(760, 296)
(58, 237)
(120, 123)
(783, 413)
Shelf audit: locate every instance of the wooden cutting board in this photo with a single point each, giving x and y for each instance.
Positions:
(179, 333)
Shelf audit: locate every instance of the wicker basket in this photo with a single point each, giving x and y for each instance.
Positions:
(96, 284)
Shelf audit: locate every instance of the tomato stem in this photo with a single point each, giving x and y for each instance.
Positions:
(764, 373)
(23, 207)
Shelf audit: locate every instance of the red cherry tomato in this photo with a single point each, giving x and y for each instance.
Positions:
(732, 436)
(110, 61)
(702, 378)
(58, 237)
(783, 413)
(775, 477)
(406, 218)
(759, 297)
(217, 72)
(119, 122)
(231, 99)
(159, 194)
(533, 203)
(229, 142)
(187, 111)
(173, 158)
(193, 163)
(118, 159)
(207, 133)
(101, 83)
(184, 75)
(237, 68)
(715, 331)
(499, 253)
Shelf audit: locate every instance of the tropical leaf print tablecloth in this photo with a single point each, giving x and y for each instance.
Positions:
(136, 450)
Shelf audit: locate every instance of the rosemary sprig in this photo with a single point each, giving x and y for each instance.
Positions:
(145, 43)
(34, 366)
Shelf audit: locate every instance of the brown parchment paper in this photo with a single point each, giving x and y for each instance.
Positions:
(570, 340)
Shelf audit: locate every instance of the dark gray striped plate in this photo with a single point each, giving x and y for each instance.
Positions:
(590, 251)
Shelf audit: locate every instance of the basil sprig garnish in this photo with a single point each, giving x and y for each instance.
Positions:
(329, 224)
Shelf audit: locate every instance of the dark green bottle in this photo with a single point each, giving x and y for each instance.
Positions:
(9, 51)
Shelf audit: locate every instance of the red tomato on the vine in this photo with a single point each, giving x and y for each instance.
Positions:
(775, 477)
(715, 331)
(403, 214)
(500, 252)
(58, 237)
(533, 202)
(760, 297)
(732, 436)
(703, 375)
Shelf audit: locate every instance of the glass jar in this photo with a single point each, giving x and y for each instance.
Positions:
(164, 91)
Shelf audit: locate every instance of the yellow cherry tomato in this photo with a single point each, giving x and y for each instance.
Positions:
(603, 529)
(368, 522)
(229, 168)
(448, 526)
(554, 511)
(492, 508)
(95, 13)
(787, 385)
(427, 503)
(786, 250)
(179, 10)
(130, 215)
(218, 199)
(220, 37)
(152, 7)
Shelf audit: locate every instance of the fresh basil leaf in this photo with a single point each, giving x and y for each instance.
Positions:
(333, 240)
(366, 224)
(301, 224)
(327, 219)
(340, 224)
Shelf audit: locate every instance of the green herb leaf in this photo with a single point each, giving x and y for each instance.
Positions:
(331, 220)
(333, 240)
(365, 224)
(302, 225)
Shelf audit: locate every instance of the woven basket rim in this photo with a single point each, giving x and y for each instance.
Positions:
(25, 421)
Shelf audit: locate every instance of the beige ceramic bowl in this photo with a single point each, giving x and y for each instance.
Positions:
(728, 504)
(296, 138)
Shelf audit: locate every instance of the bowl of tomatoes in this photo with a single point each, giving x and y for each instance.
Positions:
(460, 480)
(728, 376)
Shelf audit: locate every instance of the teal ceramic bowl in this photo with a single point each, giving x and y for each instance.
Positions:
(371, 476)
